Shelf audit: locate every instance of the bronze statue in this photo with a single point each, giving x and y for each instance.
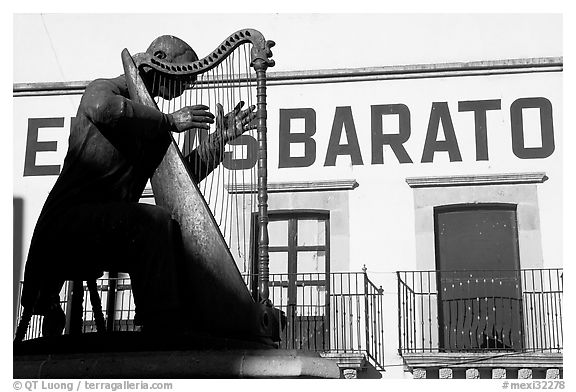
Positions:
(92, 222)
(182, 270)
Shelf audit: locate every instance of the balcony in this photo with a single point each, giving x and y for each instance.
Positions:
(339, 315)
(498, 319)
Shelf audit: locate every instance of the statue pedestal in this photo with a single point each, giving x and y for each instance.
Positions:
(95, 356)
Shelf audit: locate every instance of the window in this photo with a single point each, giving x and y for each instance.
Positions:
(299, 249)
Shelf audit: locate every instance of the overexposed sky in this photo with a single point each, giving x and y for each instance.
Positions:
(68, 47)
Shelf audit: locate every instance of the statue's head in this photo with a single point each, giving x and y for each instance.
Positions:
(173, 50)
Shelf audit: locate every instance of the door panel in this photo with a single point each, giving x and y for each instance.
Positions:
(480, 301)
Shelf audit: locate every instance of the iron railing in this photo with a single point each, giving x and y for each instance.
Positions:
(489, 310)
(338, 312)
(117, 305)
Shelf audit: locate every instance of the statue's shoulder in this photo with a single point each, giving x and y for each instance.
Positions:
(117, 85)
(102, 89)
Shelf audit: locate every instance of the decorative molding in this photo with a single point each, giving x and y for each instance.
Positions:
(413, 71)
(477, 179)
(483, 360)
(280, 187)
(419, 71)
(346, 360)
(297, 186)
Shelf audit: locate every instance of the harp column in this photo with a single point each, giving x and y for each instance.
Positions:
(261, 60)
(260, 67)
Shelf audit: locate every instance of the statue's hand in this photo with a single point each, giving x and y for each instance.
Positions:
(196, 116)
(236, 122)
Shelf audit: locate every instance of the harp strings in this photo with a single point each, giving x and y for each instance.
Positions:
(232, 81)
(252, 175)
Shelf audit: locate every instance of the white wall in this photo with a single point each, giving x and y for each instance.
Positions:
(381, 208)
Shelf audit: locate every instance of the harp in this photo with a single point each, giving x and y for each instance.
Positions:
(214, 222)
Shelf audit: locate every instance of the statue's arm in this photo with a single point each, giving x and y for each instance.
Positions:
(206, 157)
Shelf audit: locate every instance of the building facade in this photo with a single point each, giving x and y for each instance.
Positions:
(415, 214)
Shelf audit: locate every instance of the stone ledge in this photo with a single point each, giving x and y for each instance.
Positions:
(280, 187)
(483, 360)
(297, 186)
(177, 364)
(346, 360)
(477, 179)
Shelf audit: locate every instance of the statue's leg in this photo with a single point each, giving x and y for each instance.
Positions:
(153, 262)
(139, 239)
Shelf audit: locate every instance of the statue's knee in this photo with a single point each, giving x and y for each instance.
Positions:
(153, 216)
(159, 214)
(165, 225)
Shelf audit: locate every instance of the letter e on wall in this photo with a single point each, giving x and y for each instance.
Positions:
(33, 146)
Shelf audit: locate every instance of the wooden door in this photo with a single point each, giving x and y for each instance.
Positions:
(479, 290)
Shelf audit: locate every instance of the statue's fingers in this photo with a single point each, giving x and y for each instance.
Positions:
(220, 118)
(204, 119)
(250, 109)
(201, 125)
(202, 113)
(219, 110)
(238, 107)
(245, 121)
(246, 114)
(249, 118)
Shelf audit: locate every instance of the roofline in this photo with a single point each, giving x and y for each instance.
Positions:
(414, 71)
